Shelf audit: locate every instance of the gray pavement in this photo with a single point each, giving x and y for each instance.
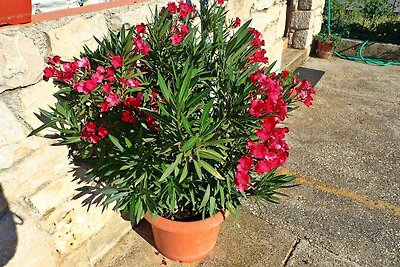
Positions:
(346, 151)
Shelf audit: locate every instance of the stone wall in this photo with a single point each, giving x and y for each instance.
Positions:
(41, 224)
(305, 22)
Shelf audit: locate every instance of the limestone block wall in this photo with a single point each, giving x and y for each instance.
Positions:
(40, 222)
(268, 17)
(305, 22)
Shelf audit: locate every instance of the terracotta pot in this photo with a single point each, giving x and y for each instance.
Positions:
(185, 241)
(324, 49)
(15, 11)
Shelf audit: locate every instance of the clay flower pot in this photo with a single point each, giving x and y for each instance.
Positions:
(324, 49)
(185, 241)
(15, 11)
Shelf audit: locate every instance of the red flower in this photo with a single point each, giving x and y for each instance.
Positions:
(104, 107)
(128, 117)
(141, 46)
(116, 61)
(185, 9)
(259, 56)
(242, 180)
(264, 166)
(49, 72)
(257, 41)
(102, 132)
(141, 28)
(257, 107)
(258, 150)
(89, 87)
(176, 39)
(236, 23)
(245, 163)
(107, 88)
(134, 102)
(113, 99)
(84, 63)
(54, 60)
(185, 29)
(285, 74)
(90, 127)
(133, 83)
(172, 8)
(220, 2)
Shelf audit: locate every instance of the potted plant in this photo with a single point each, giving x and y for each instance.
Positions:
(178, 120)
(15, 12)
(326, 44)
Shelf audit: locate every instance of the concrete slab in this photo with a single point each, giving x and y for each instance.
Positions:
(307, 255)
(255, 243)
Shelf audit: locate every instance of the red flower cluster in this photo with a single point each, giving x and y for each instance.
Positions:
(236, 23)
(304, 91)
(257, 42)
(184, 9)
(93, 134)
(131, 103)
(179, 34)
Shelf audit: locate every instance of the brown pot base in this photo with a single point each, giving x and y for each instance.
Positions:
(185, 241)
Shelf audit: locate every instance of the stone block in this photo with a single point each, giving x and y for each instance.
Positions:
(12, 153)
(43, 165)
(269, 16)
(77, 258)
(302, 39)
(22, 243)
(317, 24)
(269, 34)
(71, 224)
(68, 40)
(100, 244)
(34, 97)
(239, 8)
(11, 131)
(281, 26)
(58, 191)
(20, 62)
(301, 20)
(263, 4)
(274, 53)
(133, 17)
(309, 4)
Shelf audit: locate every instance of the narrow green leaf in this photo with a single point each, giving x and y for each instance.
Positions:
(190, 143)
(115, 141)
(206, 197)
(211, 170)
(171, 167)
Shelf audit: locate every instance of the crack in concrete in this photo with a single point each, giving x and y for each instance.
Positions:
(291, 252)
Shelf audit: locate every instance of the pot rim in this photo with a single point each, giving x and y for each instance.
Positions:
(186, 227)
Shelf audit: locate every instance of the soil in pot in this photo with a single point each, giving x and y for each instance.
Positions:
(185, 241)
(324, 49)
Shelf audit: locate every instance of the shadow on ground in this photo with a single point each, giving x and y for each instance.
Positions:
(8, 233)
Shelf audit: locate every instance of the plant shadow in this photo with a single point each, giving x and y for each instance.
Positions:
(8, 230)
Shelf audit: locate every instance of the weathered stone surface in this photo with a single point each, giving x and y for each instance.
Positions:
(301, 39)
(239, 8)
(112, 232)
(130, 18)
(20, 62)
(274, 53)
(68, 40)
(317, 24)
(301, 20)
(9, 154)
(77, 258)
(22, 243)
(263, 4)
(269, 34)
(306, 254)
(11, 130)
(71, 224)
(309, 4)
(58, 191)
(44, 165)
(34, 97)
(281, 26)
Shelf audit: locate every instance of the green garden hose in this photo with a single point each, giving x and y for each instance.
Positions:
(359, 57)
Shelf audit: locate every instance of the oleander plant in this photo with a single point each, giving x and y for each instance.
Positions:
(180, 117)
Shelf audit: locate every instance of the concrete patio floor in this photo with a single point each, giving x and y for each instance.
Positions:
(346, 152)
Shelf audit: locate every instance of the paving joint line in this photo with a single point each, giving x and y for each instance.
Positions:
(344, 192)
(291, 252)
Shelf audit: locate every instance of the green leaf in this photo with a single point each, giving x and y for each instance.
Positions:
(71, 140)
(115, 141)
(115, 197)
(184, 172)
(45, 125)
(205, 115)
(206, 197)
(211, 170)
(171, 167)
(109, 191)
(166, 92)
(190, 143)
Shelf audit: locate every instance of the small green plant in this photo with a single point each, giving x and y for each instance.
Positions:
(325, 37)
